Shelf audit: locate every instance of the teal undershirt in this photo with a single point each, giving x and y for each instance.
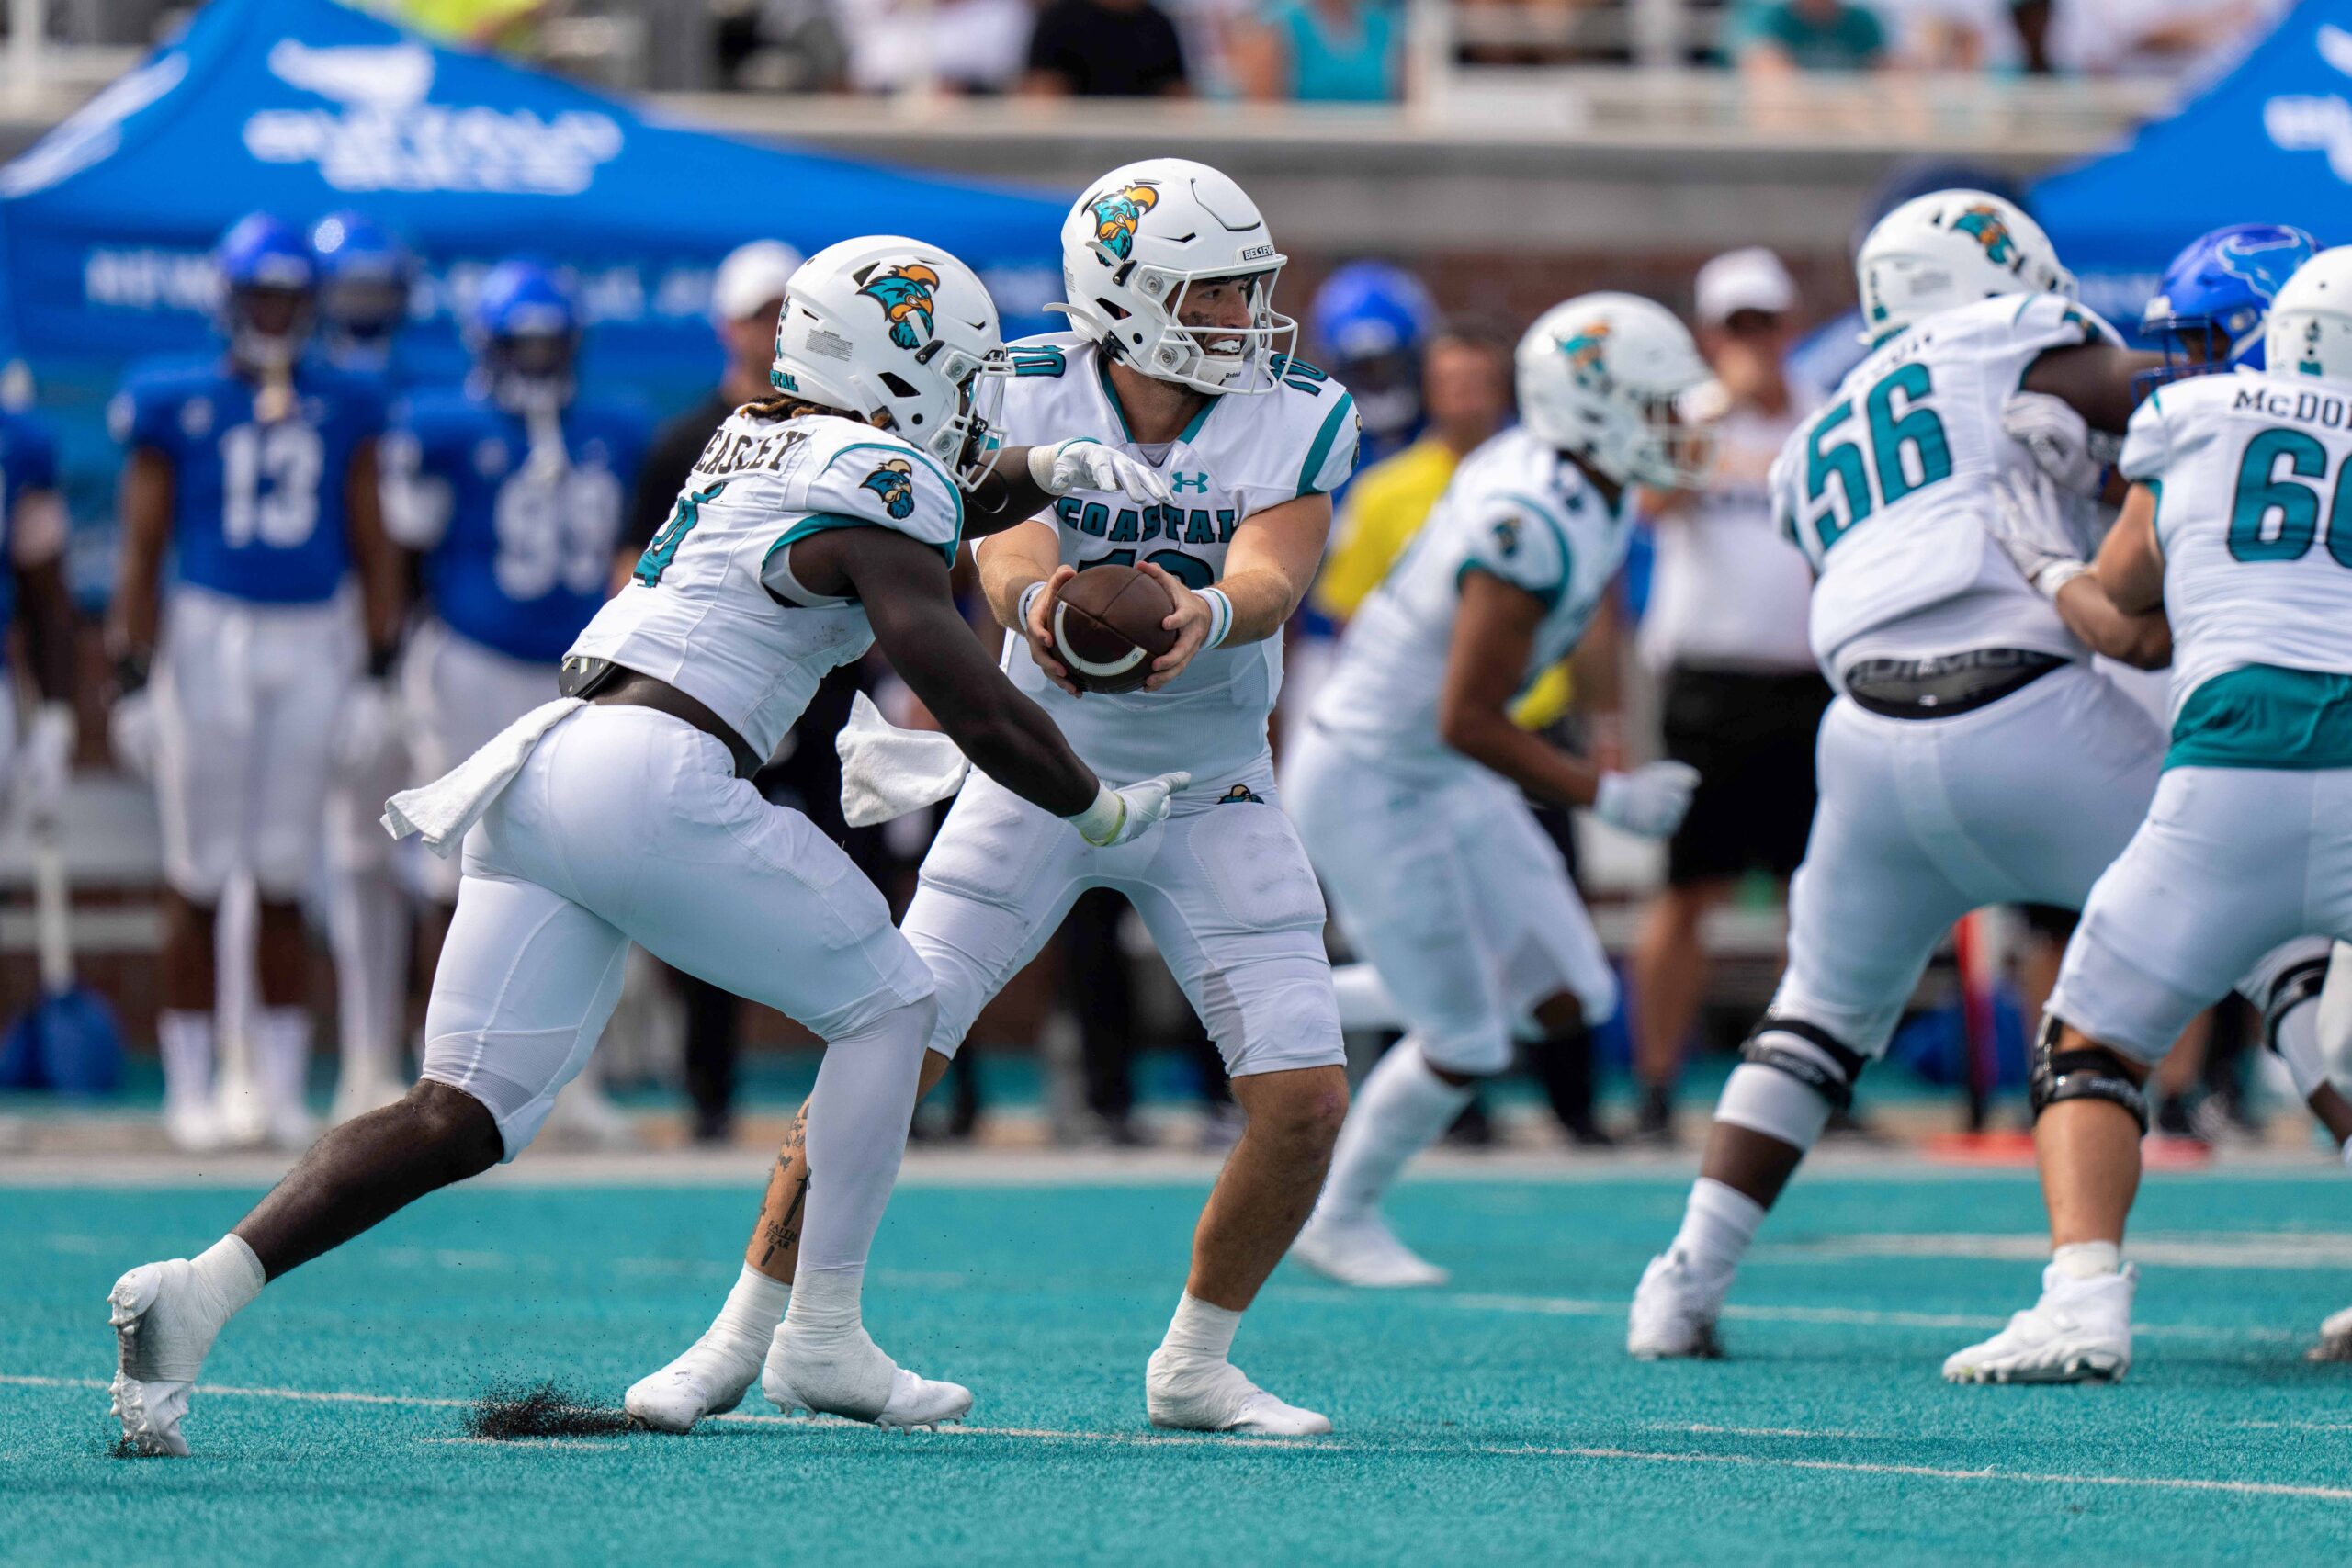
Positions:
(2266, 717)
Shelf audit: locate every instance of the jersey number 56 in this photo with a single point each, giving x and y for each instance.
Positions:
(1906, 451)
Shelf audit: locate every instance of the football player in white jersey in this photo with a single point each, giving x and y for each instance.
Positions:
(1407, 779)
(814, 526)
(1176, 356)
(1974, 754)
(2229, 541)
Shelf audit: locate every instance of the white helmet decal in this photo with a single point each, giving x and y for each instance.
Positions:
(1145, 237)
(887, 324)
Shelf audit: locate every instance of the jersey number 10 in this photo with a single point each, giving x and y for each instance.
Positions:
(1908, 452)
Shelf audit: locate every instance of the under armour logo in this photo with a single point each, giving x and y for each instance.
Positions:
(1176, 482)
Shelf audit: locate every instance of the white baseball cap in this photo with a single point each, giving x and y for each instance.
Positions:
(751, 278)
(1748, 279)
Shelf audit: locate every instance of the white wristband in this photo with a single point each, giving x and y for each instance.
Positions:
(1099, 821)
(2057, 575)
(1028, 599)
(1220, 617)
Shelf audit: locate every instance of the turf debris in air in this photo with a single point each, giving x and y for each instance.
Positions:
(508, 1411)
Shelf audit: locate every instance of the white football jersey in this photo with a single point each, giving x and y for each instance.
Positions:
(1886, 488)
(1515, 508)
(1240, 456)
(2257, 559)
(713, 608)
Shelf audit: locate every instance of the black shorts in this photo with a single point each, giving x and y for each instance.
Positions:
(1750, 735)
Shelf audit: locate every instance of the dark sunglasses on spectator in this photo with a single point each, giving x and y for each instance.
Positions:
(1744, 323)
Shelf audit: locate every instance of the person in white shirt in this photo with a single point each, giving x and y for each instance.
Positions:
(1726, 633)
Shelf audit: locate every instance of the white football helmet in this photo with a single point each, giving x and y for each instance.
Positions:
(1610, 378)
(1950, 248)
(890, 325)
(1144, 235)
(2310, 332)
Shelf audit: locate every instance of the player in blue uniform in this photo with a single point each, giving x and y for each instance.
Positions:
(513, 488)
(252, 474)
(365, 278)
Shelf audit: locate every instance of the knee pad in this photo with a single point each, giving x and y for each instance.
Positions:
(1806, 1053)
(2298, 982)
(2093, 1073)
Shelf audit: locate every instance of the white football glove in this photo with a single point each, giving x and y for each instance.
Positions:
(1083, 463)
(2028, 521)
(2063, 445)
(1119, 815)
(1649, 801)
(44, 761)
(131, 732)
(365, 730)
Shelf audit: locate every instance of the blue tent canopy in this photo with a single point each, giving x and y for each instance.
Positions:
(2269, 143)
(305, 107)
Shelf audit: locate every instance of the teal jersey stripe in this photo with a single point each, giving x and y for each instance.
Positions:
(2265, 715)
(1323, 439)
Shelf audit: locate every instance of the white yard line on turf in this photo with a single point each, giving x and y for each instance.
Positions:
(2153, 1483)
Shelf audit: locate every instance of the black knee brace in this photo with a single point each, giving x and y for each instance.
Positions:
(2296, 984)
(1835, 1087)
(2096, 1073)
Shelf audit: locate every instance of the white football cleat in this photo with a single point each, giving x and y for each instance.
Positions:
(2334, 1338)
(709, 1379)
(854, 1379)
(585, 1117)
(1361, 1250)
(194, 1127)
(1192, 1393)
(2080, 1331)
(160, 1344)
(1674, 1313)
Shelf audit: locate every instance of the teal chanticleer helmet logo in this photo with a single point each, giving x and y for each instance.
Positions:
(905, 295)
(1982, 223)
(1586, 352)
(894, 481)
(1117, 213)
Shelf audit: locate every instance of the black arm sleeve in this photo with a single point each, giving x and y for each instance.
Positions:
(903, 585)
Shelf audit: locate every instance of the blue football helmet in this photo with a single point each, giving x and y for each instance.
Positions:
(2209, 308)
(524, 331)
(1370, 320)
(268, 284)
(365, 275)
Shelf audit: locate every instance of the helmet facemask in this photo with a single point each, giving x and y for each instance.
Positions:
(1674, 447)
(268, 325)
(1208, 359)
(965, 442)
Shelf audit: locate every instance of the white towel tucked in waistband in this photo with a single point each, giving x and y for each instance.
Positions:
(888, 772)
(441, 812)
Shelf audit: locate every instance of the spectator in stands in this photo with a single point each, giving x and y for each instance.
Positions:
(1782, 37)
(2152, 37)
(1105, 49)
(1324, 51)
(953, 46)
(1727, 629)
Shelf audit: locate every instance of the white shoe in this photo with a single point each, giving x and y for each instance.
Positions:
(710, 1379)
(2080, 1331)
(1192, 1392)
(1673, 1312)
(160, 1345)
(290, 1127)
(2334, 1338)
(356, 1094)
(1361, 1250)
(193, 1127)
(856, 1380)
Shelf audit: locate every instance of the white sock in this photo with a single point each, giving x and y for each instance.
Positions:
(825, 1301)
(1717, 1226)
(1365, 1001)
(365, 922)
(754, 1307)
(1401, 1108)
(229, 1277)
(858, 1115)
(1199, 1329)
(2086, 1259)
(281, 1039)
(184, 1039)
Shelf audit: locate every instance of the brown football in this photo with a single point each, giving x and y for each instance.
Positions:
(1106, 627)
